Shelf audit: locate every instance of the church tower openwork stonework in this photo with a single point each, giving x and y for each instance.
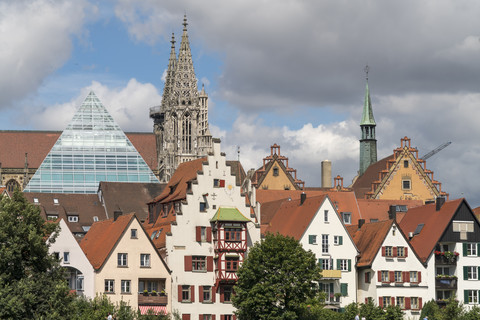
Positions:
(368, 142)
(181, 121)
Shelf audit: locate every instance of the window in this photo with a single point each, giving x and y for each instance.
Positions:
(56, 255)
(203, 206)
(72, 218)
(203, 234)
(133, 233)
(326, 264)
(178, 208)
(275, 171)
(406, 185)
(325, 216)
(80, 283)
(55, 201)
(398, 276)
(233, 234)
(231, 264)
(147, 285)
(122, 259)
(386, 301)
(471, 249)
(413, 276)
(144, 260)
(388, 251)
(52, 217)
(312, 239)
(185, 293)
(401, 252)
(227, 293)
(343, 264)
(367, 277)
(414, 303)
(35, 200)
(216, 183)
(95, 218)
(405, 163)
(199, 263)
(207, 295)
(337, 240)
(109, 286)
(66, 257)
(347, 217)
(472, 296)
(385, 277)
(401, 302)
(470, 273)
(125, 286)
(324, 243)
(227, 317)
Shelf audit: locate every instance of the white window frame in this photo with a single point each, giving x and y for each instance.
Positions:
(126, 286)
(472, 247)
(325, 216)
(73, 218)
(344, 264)
(324, 243)
(145, 260)
(122, 259)
(133, 233)
(109, 286)
(472, 273)
(472, 296)
(336, 240)
(66, 257)
(347, 217)
(327, 264)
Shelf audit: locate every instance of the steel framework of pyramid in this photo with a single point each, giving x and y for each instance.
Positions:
(91, 149)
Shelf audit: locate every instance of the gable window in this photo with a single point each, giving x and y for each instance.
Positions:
(406, 184)
(207, 295)
(312, 239)
(72, 218)
(122, 259)
(66, 257)
(324, 243)
(325, 216)
(405, 163)
(337, 240)
(186, 293)
(398, 276)
(470, 273)
(125, 286)
(109, 286)
(199, 263)
(347, 217)
(178, 209)
(275, 171)
(144, 260)
(388, 251)
(133, 233)
(401, 252)
(231, 264)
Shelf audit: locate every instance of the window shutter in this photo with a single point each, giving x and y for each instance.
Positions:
(200, 294)
(200, 316)
(331, 287)
(407, 303)
(349, 265)
(209, 264)
(320, 262)
(419, 276)
(407, 276)
(222, 317)
(391, 276)
(383, 251)
(209, 234)
(222, 298)
(222, 183)
(465, 273)
(395, 251)
(379, 276)
(366, 276)
(478, 249)
(420, 306)
(465, 296)
(339, 264)
(214, 293)
(213, 317)
(198, 236)
(380, 302)
(186, 316)
(366, 300)
(192, 293)
(344, 289)
(406, 251)
(392, 299)
(179, 293)
(464, 249)
(340, 240)
(234, 317)
(310, 239)
(188, 263)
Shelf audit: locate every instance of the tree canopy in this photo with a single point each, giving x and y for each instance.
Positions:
(276, 279)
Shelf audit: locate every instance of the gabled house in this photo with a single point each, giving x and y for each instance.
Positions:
(446, 236)
(203, 227)
(78, 270)
(315, 223)
(388, 269)
(127, 266)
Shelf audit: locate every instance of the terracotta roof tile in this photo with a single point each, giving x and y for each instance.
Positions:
(363, 184)
(435, 222)
(102, 237)
(379, 209)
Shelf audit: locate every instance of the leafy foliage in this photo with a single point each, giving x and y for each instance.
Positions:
(276, 280)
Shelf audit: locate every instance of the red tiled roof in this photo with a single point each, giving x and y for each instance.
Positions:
(292, 219)
(435, 222)
(379, 209)
(102, 237)
(476, 211)
(38, 143)
(369, 239)
(363, 184)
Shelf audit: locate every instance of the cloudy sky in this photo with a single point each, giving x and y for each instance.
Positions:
(287, 72)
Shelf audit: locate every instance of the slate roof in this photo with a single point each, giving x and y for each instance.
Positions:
(129, 197)
(86, 206)
(379, 209)
(38, 143)
(363, 184)
(102, 238)
(237, 170)
(435, 223)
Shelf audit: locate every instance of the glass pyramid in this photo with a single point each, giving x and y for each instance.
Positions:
(91, 149)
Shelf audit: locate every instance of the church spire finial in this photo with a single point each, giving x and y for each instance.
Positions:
(368, 142)
(185, 24)
(366, 69)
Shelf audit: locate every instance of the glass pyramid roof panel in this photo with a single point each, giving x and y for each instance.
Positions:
(91, 149)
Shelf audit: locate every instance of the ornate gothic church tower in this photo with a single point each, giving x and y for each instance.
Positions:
(368, 143)
(181, 122)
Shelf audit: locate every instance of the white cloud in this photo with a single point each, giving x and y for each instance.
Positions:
(36, 41)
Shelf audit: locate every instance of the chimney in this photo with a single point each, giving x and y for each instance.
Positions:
(326, 174)
(410, 235)
(361, 222)
(392, 213)
(116, 214)
(303, 197)
(439, 203)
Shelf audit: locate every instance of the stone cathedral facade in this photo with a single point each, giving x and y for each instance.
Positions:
(181, 121)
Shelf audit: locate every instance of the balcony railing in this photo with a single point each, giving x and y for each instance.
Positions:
(446, 283)
(149, 298)
(446, 258)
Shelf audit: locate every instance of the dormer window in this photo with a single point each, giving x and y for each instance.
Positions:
(95, 218)
(72, 218)
(55, 201)
(35, 200)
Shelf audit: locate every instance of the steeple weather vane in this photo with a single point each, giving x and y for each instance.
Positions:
(366, 69)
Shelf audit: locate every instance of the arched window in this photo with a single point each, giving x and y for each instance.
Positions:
(12, 184)
(187, 134)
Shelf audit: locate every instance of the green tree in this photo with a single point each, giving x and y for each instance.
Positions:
(276, 280)
(32, 284)
(431, 310)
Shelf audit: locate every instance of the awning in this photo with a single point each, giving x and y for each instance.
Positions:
(156, 309)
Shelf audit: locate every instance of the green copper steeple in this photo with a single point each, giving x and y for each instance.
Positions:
(368, 142)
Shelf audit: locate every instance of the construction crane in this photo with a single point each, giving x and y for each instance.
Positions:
(436, 150)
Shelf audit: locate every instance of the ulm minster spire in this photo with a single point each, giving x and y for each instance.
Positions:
(181, 121)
